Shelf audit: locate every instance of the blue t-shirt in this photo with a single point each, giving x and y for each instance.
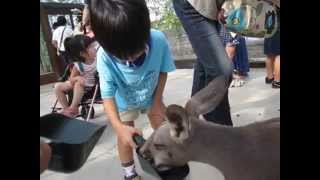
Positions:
(134, 87)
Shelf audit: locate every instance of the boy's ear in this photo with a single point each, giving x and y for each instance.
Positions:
(179, 123)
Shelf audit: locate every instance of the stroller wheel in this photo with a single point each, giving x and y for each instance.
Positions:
(85, 112)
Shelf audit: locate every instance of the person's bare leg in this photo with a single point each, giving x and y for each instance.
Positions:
(78, 91)
(270, 66)
(277, 69)
(125, 151)
(60, 88)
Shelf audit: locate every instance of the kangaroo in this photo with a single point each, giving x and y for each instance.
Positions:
(250, 152)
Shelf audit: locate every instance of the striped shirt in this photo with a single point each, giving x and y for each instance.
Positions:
(88, 72)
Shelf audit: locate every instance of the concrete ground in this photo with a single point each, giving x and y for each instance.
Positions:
(255, 101)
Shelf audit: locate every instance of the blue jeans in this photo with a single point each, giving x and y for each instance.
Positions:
(212, 60)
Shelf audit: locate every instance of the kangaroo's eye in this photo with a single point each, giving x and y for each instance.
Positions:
(160, 146)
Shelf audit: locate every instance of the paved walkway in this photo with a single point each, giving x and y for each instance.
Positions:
(255, 101)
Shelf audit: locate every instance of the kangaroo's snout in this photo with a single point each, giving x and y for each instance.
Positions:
(146, 154)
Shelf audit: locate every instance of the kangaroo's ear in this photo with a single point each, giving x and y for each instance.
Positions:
(208, 98)
(179, 121)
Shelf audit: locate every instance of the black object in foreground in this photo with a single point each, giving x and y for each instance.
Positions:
(71, 140)
(175, 173)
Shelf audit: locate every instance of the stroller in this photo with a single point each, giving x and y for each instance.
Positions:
(91, 96)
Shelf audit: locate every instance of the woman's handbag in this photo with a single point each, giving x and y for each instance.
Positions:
(253, 18)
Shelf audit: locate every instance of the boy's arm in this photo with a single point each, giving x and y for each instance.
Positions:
(156, 112)
(160, 87)
(123, 131)
(74, 73)
(112, 113)
(157, 109)
(54, 39)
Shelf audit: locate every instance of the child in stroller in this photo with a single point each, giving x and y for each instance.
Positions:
(82, 50)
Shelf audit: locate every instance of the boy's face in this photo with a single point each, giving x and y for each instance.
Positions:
(136, 56)
(133, 57)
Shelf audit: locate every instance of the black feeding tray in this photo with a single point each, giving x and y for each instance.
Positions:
(71, 140)
(175, 173)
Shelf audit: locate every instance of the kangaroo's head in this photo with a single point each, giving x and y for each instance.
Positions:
(168, 146)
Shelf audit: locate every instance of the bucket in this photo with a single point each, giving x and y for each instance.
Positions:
(71, 140)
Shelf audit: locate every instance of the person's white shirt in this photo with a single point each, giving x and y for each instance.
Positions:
(77, 30)
(57, 33)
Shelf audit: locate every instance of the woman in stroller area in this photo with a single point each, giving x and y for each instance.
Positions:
(82, 50)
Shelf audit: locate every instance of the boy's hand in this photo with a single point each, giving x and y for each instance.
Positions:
(125, 134)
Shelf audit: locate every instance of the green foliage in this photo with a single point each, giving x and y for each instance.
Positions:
(168, 20)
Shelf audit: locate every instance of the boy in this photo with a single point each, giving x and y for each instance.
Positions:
(132, 65)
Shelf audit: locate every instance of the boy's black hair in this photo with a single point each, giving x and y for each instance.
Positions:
(122, 27)
(75, 45)
(61, 21)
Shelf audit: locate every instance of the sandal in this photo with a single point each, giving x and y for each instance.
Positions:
(269, 81)
(276, 84)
